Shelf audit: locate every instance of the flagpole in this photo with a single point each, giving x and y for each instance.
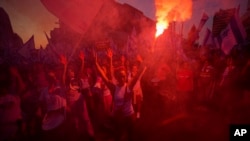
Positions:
(52, 46)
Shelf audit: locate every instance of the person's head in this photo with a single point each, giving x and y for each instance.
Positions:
(121, 76)
(122, 58)
(162, 71)
(51, 75)
(134, 69)
(72, 70)
(71, 73)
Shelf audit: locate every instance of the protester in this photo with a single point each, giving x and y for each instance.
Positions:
(32, 115)
(228, 90)
(122, 97)
(77, 111)
(85, 89)
(54, 105)
(10, 110)
(206, 82)
(137, 92)
(184, 86)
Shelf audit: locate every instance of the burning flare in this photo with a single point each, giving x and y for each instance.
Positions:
(171, 10)
(160, 27)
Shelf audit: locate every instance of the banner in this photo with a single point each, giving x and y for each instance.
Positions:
(102, 45)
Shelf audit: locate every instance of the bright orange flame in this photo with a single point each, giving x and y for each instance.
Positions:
(171, 10)
(160, 27)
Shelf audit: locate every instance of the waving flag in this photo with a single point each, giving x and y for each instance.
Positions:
(238, 28)
(207, 37)
(228, 40)
(203, 20)
(27, 49)
(77, 14)
(193, 34)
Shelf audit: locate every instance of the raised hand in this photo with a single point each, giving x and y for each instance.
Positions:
(94, 54)
(109, 53)
(63, 59)
(81, 55)
(139, 58)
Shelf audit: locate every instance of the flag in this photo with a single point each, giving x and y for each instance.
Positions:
(52, 46)
(41, 54)
(216, 43)
(28, 48)
(203, 20)
(193, 34)
(228, 40)
(221, 20)
(207, 38)
(77, 14)
(49, 55)
(238, 28)
(179, 48)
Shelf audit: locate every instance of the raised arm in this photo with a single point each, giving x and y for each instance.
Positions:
(101, 72)
(64, 61)
(110, 57)
(81, 56)
(140, 73)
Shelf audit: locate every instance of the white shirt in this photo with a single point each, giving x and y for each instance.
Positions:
(121, 102)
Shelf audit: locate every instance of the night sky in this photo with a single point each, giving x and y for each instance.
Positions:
(30, 17)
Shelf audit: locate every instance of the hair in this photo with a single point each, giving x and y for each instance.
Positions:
(117, 72)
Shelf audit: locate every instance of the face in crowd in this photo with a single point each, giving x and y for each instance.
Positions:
(71, 73)
(121, 77)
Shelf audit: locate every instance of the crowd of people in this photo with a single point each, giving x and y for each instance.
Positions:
(102, 98)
